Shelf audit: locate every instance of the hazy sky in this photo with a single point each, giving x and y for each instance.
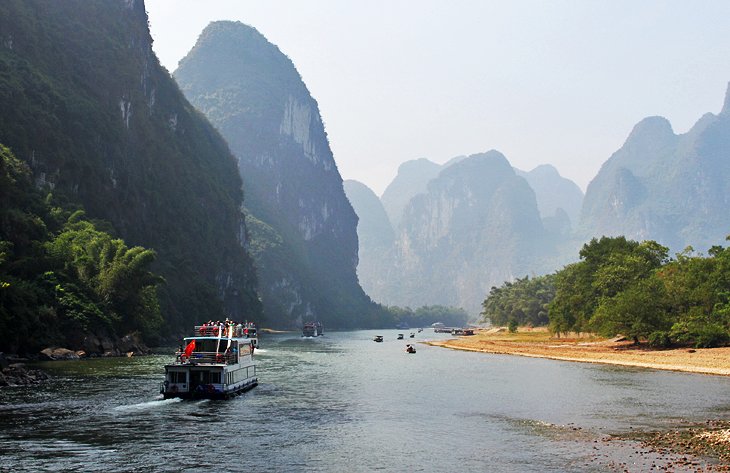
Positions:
(559, 82)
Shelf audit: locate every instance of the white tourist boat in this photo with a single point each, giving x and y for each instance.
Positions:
(312, 329)
(216, 363)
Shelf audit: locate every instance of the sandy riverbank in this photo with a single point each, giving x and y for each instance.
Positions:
(539, 343)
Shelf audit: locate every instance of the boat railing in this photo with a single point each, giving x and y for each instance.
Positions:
(206, 357)
(225, 331)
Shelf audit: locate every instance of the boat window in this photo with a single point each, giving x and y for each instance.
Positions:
(215, 377)
(178, 377)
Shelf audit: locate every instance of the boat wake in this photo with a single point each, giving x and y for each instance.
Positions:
(147, 405)
(261, 350)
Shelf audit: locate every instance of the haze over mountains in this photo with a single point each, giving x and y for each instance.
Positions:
(666, 187)
(460, 228)
(465, 226)
(105, 129)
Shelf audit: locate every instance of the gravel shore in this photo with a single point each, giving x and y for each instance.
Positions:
(539, 343)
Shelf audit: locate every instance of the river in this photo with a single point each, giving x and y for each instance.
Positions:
(343, 403)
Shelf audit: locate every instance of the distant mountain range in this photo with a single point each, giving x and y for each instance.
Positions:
(473, 222)
(469, 224)
(671, 188)
(104, 128)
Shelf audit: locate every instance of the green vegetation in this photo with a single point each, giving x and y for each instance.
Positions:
(625, 287)
(523, 301)
(427, 315)
(103, 125)
(61, 277)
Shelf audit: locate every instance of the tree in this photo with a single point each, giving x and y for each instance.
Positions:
(635, 312)
(524, 300)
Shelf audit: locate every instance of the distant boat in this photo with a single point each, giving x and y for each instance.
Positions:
(378, 338)
(462, 331)
(412, 335)
(312, 329)
(400, 336)
(410, 348)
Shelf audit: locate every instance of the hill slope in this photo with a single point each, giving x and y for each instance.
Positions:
(305, 237)
(87, 105)
(671, 188)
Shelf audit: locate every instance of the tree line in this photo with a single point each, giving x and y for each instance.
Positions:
(625, 287)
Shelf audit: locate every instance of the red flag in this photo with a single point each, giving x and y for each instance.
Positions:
(189, 349)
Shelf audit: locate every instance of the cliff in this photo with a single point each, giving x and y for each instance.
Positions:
(103, 126)
(672, 188)
(476, 226)
(305, 241)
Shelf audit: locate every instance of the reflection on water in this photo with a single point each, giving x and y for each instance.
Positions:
(344, 403)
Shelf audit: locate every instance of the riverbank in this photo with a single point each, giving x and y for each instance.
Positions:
(692, 447)
(539, 343)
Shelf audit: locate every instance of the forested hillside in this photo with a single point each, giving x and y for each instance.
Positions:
(86, 104)
(62, 277)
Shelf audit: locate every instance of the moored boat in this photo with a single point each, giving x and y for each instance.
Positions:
(400, 336)
(410, 348)
(216, 363)
(378, 338)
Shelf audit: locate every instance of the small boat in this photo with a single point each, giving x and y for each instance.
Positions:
(412, 335)
(400, 336)
(216, 363)
(410, 348)
(420, 330)
(312, 329)
(378, 338)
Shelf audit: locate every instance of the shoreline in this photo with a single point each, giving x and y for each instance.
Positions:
(538, 344)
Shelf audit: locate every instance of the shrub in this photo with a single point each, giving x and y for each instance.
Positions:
(711, 336)
(660, 339)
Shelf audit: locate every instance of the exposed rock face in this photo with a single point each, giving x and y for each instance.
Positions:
(674, 189)
(56, 353)
(554, 192)
(476, 226)
(375, 235)
(303, 227)
(412, 179)
(86, 103)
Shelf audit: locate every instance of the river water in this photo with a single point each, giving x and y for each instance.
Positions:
(343, 403)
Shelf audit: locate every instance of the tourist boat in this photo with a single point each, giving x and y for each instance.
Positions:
(462, 331)
(312, 329)
(410, 348)
(400, 336)
(378, 338)
(216, 363)
(412, 335)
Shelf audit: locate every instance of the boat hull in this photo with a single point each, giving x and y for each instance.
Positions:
(211, 393)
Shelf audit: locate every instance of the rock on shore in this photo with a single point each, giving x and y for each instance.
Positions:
(15, 374)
